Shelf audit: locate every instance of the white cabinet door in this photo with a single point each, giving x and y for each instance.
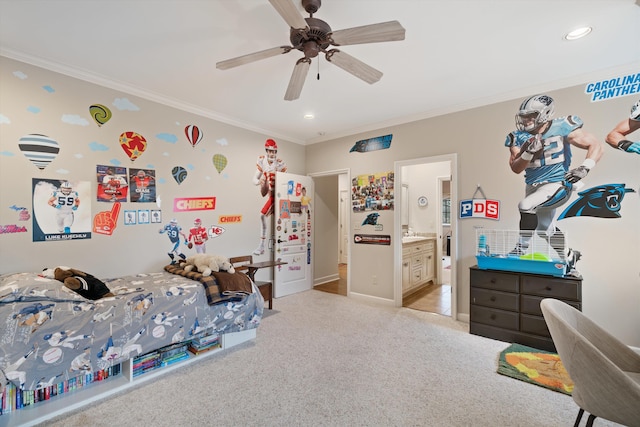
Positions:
(406, 273)
(430, 266)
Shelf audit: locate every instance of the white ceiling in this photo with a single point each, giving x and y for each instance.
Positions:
(457, 54)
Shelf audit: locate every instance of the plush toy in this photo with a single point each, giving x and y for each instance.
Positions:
(78, 281)
(206, 263)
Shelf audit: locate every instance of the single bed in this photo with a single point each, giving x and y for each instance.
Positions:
(51, 335)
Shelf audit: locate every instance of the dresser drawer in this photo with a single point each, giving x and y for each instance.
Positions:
(552, 288)
(494, 299)
(534, 325)
(490, 279)
(531, 304)
(494, 317)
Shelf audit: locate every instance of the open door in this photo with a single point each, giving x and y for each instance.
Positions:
(293, 233)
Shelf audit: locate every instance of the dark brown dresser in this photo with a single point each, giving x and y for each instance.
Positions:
(505, 305)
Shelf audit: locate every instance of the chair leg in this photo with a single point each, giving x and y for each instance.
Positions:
(590, 420)
(577, 423)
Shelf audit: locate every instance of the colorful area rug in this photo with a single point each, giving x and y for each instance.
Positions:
(535, 366)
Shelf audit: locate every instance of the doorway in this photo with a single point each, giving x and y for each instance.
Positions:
(432, 179)
(332, 225)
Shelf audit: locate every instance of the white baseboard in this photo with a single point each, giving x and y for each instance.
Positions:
(372, 299)
(326, 279)
(463, 317)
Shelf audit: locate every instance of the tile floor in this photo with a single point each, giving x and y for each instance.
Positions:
(433, 298)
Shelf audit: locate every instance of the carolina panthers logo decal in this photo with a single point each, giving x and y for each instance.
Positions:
(601, 202)
(371, 219)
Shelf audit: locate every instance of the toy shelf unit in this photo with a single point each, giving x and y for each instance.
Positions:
(502, 250)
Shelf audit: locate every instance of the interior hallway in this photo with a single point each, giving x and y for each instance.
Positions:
(336, 286)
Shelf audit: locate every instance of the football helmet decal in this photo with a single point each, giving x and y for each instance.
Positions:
(66, 187)
(635, 112)
(534, 112)
(271, 148)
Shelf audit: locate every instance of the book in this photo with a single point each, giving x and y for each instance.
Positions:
(204, 349)
(174, 359)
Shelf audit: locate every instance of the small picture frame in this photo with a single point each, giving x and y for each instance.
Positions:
(129, 217)
(156, 216)
(143, 216)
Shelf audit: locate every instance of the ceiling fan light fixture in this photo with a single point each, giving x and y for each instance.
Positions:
(578, 33)
(313, 36)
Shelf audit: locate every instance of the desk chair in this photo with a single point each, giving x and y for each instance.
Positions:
(266, 288)
(605, 372)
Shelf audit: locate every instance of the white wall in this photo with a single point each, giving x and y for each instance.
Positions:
(423, 181)
(610, 247)
(28, 108)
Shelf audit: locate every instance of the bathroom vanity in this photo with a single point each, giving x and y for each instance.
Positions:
(418, 263)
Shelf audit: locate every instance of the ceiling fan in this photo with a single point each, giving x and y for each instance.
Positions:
(312, 36)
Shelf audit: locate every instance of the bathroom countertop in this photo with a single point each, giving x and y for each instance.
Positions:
(414, 239)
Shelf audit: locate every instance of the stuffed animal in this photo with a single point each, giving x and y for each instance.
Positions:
(78, 281)
(206, 263)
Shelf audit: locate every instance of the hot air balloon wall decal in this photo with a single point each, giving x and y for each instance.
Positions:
(179, 174)
(219, 162)
(194, 135)
(133, 144)
(100, 114)
(39, 149)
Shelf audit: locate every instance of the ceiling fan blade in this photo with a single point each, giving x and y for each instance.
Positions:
(251, 57)
(297, 79)
(289, 13)
(373, 33)
(354, 66)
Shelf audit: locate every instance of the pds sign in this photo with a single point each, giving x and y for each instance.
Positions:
(480, 208)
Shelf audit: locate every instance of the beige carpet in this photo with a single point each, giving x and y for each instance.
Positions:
(324, 360)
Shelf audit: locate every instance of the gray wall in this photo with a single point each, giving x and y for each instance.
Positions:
(611, 289)
(610, 247)
(131, 249)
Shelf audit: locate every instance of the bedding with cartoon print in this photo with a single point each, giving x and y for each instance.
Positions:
(49, 334)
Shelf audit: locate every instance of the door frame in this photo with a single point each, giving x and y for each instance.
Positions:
(343, 215)
(337, 172)
(397, 247)
(441, 237)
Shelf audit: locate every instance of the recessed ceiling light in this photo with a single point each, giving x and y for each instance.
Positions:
(309, 116)
(578, 33)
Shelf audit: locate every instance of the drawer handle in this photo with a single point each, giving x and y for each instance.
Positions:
(492, 317)
(493, 298)
(493, 280)
(548, 288)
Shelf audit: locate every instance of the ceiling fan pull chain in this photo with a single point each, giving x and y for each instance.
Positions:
(318, 77)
